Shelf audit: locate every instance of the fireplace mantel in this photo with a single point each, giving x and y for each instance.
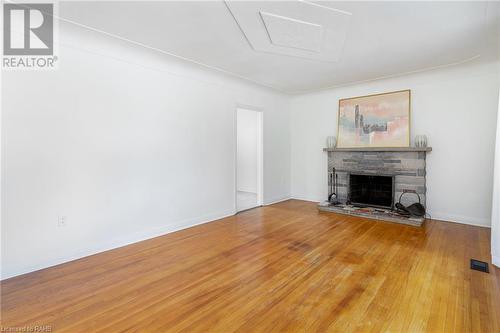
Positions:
(396, 149)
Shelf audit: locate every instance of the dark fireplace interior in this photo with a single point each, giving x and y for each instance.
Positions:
(369, 190)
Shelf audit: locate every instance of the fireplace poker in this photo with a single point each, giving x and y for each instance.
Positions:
(332, 198)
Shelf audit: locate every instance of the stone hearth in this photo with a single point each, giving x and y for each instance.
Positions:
(407, 165)
(372, 213)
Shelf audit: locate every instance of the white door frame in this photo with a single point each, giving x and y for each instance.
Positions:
(260, 154)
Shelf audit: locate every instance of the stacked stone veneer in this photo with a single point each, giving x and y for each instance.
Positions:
(408, 168)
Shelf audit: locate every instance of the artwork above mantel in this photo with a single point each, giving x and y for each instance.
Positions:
(380, 120)
(411, 149)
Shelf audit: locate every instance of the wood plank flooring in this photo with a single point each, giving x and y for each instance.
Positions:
(280, 268)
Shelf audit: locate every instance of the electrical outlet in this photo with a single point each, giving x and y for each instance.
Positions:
(62, 221)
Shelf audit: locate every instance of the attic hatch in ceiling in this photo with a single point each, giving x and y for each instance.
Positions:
(293, 28)
(289, 32)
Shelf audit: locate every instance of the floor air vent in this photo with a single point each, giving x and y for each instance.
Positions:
(479, 265)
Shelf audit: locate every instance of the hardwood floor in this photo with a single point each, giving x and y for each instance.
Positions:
(284, 267)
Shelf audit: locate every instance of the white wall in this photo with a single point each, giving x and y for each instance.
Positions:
(495, 211)
(456, 108)
(127, 144)
(247, 149)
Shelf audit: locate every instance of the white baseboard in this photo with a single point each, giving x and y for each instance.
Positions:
(495, 260)
(479, 222)
(131, 239)
(274, 201)
(475, 221)
(183, 224)
(306, 198)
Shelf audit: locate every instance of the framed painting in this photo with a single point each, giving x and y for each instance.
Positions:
(380, 120)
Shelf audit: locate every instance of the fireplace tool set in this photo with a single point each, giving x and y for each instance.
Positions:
(415, 209)
(333, 197)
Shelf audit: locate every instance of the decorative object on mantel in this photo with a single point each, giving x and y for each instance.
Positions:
(380, 120)
(331, 141)
(421, 141)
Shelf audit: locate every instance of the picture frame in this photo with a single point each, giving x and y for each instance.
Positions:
(375, 121)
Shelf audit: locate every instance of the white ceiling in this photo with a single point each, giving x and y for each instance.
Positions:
(295, 46)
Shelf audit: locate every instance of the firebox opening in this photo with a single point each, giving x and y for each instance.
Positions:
(371, 190)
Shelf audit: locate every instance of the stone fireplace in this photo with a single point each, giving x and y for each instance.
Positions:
(400, 169)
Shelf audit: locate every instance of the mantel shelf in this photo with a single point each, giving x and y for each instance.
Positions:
(401, 149)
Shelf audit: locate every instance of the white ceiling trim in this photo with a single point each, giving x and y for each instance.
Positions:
(297, 92)
(164, 52)
(247, 79)
(174, 55)
(427, 69)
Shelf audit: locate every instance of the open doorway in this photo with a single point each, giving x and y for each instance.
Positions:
(248, 159)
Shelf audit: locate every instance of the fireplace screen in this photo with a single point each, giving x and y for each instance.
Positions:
(371, 190)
